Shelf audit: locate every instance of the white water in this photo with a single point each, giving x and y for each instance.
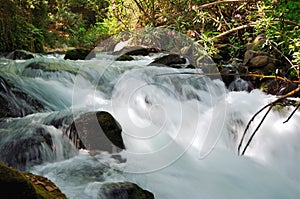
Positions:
(181, 133)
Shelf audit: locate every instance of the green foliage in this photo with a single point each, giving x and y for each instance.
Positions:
(20, 23)
(33, 24)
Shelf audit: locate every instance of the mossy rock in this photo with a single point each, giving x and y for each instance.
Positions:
(16, 184)
(52, 66)
(125, 190)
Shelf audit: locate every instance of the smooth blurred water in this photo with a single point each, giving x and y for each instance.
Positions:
(181, 131)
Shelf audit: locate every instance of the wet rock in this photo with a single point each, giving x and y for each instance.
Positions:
(125, 58)
(96, 131)
(171, 60)
(20, 54)
(240, 85)
(26, 147)
(14, 102)
(228, 75)
(16, 184)
(80, 54)
(136, 51)
(51, 66)
(125, 190)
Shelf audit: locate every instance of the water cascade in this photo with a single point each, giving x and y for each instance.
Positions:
(180, 131)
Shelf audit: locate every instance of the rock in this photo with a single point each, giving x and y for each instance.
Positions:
(80, 54)
(136, 51)
(259, 61)
(16, 184)
(125, 190)
(20, 54)
(227, 75)
(51, 66)
(125, 58)
(16, 103)
(171, 60)
(96, 131)
(27, 147)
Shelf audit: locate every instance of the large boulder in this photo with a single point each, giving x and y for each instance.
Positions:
(96, 131)
(80, 54)
(16, 103)
(125, 190)
(16, 184)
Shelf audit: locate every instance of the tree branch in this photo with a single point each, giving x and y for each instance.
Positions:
(234, 30)
(291, 115)
(220, 2)
(271, 105)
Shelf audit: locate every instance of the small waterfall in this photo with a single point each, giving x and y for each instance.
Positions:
(181, 131)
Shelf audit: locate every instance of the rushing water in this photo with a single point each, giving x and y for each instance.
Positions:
(181, 132)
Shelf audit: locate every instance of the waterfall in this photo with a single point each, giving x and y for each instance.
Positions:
(181, 131)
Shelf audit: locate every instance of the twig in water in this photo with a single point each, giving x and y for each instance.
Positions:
(251, 137)
(291, 115)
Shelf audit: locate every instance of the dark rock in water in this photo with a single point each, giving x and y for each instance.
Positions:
(25, 148)
(20, 54)
(240, 85)
(136, 51)
(96, 131)
(228, 75)
(125, 190)
(171, 60)
(14, 102)
(15, 184)
(80, 54)
(125, 58)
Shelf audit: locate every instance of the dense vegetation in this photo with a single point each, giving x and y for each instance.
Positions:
(224, 28)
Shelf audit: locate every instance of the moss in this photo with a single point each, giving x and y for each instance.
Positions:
(16, 184)
(54, 66)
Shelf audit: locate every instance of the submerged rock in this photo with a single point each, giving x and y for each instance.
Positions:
(80, 54)
(96, 131)
(125, 190)
(20, 54)
(16, 103)
(52, 66)
(16, 184)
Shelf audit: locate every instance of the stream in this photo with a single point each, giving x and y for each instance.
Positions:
(181, 131)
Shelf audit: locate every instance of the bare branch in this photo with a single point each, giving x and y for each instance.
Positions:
(248, 125)
(271, 105)
(291, 115)
(220, 2)
(262, 120)
(234, 30)
(241, 75)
